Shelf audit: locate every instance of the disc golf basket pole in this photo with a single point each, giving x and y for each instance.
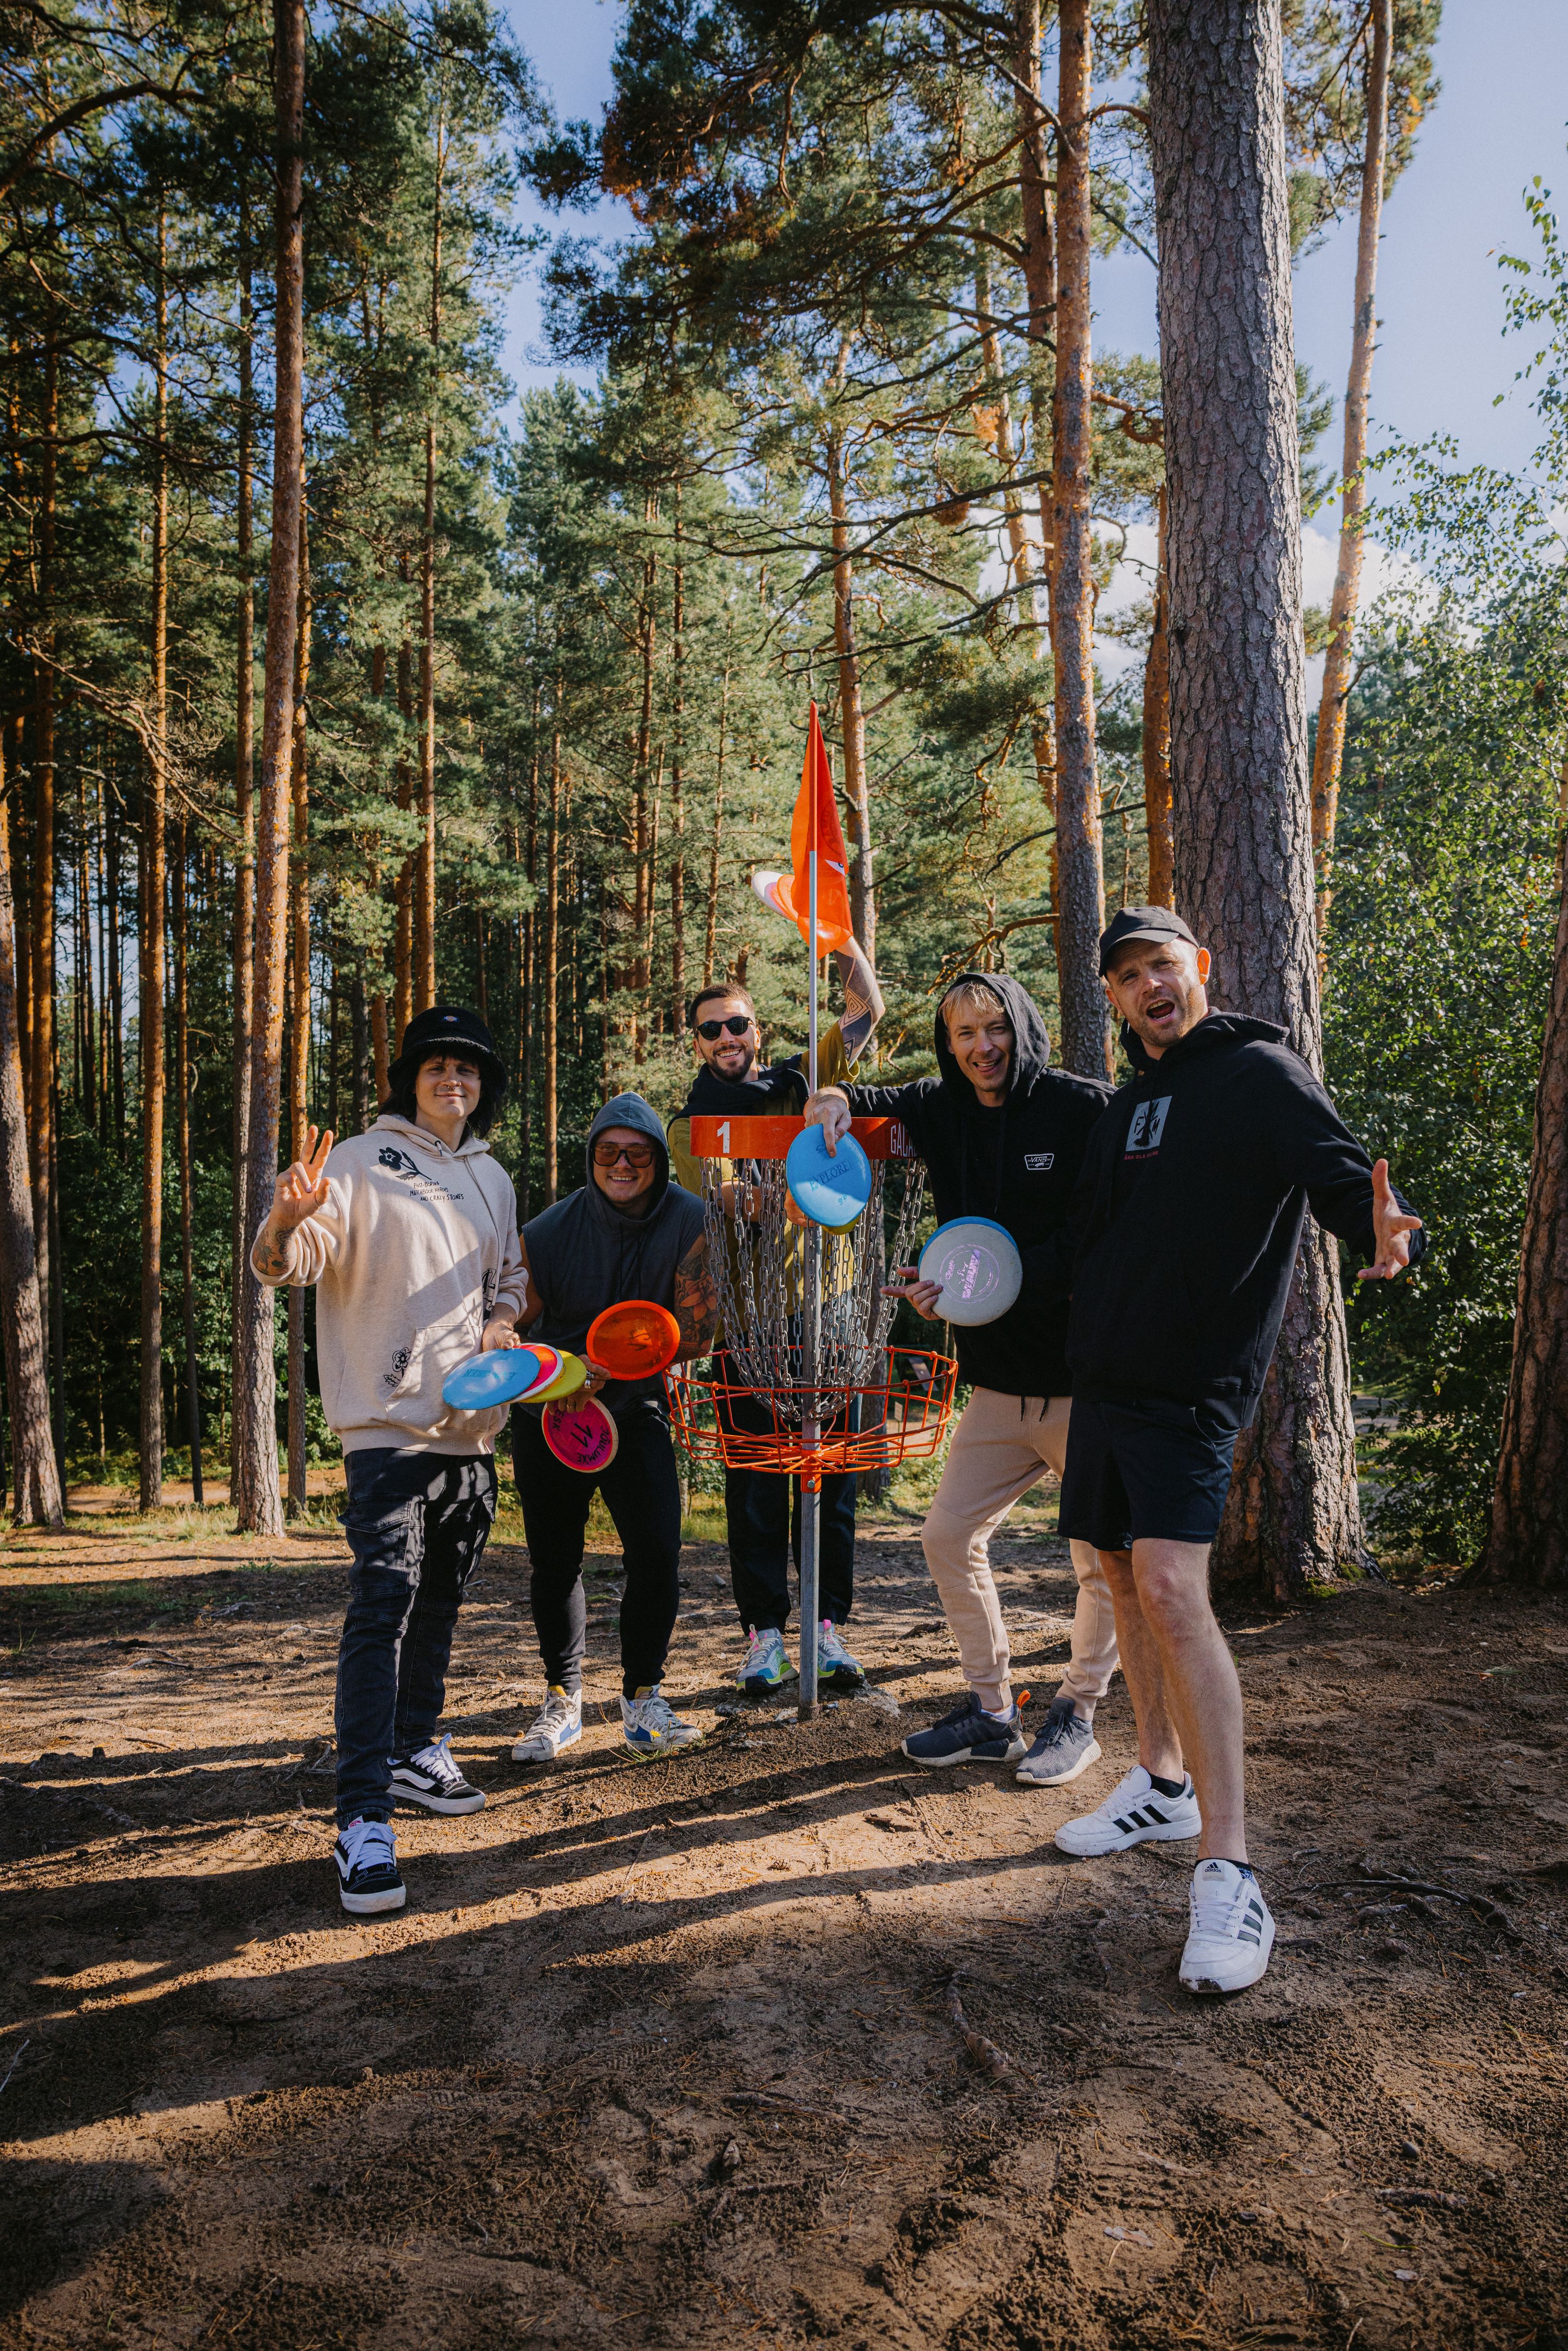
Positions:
(812, 1426)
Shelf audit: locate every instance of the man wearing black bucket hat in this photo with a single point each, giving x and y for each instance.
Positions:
(1189, 1214)
(411, 1231)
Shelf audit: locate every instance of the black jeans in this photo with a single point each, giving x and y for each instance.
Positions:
(416, 1523)
(643, 1495)
(763, 1531)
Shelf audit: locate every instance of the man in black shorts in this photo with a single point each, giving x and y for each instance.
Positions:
(1189, 1212)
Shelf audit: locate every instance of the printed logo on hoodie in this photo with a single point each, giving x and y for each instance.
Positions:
(425, 1187)
(1148, 1125)
(398, 1161)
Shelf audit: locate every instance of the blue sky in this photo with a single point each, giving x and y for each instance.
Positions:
(1441, 359)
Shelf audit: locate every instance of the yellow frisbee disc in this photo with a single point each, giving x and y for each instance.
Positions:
(568, 1380)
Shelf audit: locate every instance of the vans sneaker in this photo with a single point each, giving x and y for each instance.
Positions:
(558, 1724)
(968, 1735)
(367, 1880)
(1065, 1747)
(653, 1728)
(432, 1778)
(835, 1667)
(766, 1664)
(1135, 1812)
(1231, 1934)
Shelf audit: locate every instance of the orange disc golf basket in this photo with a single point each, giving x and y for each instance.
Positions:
(804, 1382)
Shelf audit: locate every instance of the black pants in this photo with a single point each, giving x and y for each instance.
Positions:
(416, 1524)
(643, 1495)
(763, 1531)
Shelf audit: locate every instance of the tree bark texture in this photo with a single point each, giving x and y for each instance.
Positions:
(257, 1501)
(243, 941)
(35, 1474)
(710, 935)
(678, 796)
(1527, 1542)
(403, 887)
(550, 980)
(41, 1090)
(1240, 802)
(183, 1148)
(153, 805)
(1328, 753)
(425, 892)
(1156, 732)
(300, 1040)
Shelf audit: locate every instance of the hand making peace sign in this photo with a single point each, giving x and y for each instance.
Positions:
(302, 1189)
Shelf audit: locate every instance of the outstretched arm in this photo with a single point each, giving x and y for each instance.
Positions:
(863, 1007)
(696, 1301)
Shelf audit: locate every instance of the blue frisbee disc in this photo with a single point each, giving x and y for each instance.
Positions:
(978, 1266)
(499, 1377)
(831, 1191)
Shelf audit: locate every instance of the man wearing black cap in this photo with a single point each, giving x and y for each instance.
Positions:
(411, 1230)
(1189, 1213)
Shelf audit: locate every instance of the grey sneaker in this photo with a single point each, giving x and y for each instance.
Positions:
(1065, 1747)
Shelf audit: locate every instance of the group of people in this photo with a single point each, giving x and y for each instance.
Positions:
(1157, 1225)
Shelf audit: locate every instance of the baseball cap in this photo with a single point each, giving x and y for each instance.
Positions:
(446, 1029)
(1140, 922)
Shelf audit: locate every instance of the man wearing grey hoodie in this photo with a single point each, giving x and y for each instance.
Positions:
(410, 1232)
(628, 1233)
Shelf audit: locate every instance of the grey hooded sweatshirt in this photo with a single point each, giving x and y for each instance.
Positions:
(416, 1247)
(585, 1254)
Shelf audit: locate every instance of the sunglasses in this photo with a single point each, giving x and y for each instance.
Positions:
(636, 1154)
(737, 1024)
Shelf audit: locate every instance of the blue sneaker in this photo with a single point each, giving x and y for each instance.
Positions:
(558, 1724)
(651, 1728)
(968, 1735)
(766, 1664)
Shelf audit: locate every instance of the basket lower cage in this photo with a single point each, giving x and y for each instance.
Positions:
(821, 1430)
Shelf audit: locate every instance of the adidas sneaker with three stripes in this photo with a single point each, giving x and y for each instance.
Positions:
(1135, 1812)
(1231, 1933)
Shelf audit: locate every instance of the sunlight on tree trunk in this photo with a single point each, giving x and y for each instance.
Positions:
(34, 1473)
(1156, 733)
(151, 937)
(1241, 806)
(1328, 754)
(244, 939)
(299, 950)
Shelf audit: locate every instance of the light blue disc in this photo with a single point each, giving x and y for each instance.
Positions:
(505, 1373)
(978, 1266)
(831, 1191)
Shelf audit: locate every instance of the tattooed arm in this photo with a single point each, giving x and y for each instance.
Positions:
(863, 1007)
(696, 1301)
(303, 1190)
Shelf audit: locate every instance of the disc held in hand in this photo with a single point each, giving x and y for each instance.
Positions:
(584, 1436)
(633, 1341)
(831, 1190)
(978, 1266)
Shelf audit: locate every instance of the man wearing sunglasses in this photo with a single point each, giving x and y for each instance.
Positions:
(628, 1233)
(733, 1081)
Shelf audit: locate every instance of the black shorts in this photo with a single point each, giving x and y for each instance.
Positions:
(1145, 1467)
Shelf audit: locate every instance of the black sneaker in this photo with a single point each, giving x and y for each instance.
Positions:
(1065, 1747)
(368, 1879)
(968, 1735)
(432, 1778)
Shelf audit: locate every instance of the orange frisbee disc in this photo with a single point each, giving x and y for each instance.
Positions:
(634, 1340)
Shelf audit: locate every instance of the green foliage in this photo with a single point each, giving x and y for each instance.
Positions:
(1445, 883)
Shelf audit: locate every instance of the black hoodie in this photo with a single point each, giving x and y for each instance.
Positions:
(585, 1254)
(1019, 1165)
(1193, 1192)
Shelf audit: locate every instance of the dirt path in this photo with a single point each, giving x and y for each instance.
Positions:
(667, 2055)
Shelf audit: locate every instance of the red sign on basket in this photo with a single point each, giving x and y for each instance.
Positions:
(769, 1138)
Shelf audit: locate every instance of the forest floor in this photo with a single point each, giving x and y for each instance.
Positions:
(669, 2055)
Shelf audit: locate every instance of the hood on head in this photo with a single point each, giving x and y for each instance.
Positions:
(629, 1110)
(1031, 1042)
(1213, 1033)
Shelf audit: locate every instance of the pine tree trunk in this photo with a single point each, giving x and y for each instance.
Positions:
(40, 1092)
(243, 941)
(678, 798)
(1328, 754)
(1080, 858)
(182, 1145)
(255, 1492)
(1156, 732)
(550, 984)
(851, 710)
(154, 802)
(528, 981)
(116, 978)
(359, 1030)
(1527, 1542)
(33, 1470)
(403, 887)
(87, 1074)
(300, 1041)
(424, 892)
(1238, 775)
(642, 755)
(710, 939)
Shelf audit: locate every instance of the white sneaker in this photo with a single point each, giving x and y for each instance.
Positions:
(557, 1724)
(836, 1668)
(651, 1728)
(1135, 1812)
(1231, 1934)
(767, 1664)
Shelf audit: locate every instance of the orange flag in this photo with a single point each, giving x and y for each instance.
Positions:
(815, 827)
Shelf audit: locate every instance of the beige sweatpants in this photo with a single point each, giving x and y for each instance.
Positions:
(999, 1449)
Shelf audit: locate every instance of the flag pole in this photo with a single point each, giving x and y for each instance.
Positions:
(810, 1427)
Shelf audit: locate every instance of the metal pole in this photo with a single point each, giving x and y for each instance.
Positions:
(812, 1426)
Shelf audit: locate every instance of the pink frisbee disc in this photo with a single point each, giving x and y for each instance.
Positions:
(584, 1437)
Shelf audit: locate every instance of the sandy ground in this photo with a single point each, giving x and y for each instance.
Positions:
(669, 2055)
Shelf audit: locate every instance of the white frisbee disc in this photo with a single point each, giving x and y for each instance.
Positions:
(978, 1266)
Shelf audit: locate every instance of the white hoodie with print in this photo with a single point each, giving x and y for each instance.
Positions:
(416, 1247)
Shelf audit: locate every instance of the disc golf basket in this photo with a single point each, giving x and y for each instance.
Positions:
(806, 1383)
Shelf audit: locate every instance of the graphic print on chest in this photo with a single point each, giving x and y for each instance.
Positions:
(1148, 1125)
(1037, 1162)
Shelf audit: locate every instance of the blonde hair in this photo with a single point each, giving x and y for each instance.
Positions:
(972, 994)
